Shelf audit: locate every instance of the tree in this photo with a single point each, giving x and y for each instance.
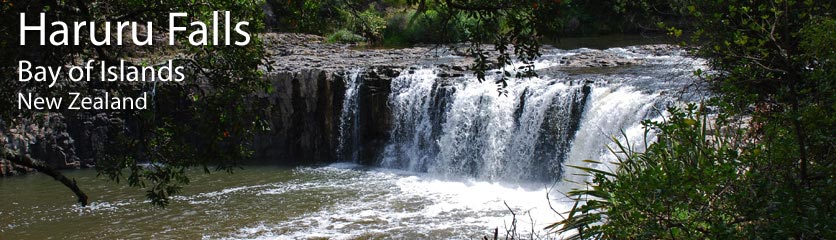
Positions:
(207, 120)
(771, 62)
(774, 61)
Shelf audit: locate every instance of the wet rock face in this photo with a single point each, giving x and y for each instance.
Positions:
(62, 142)
(294, 52)
(45, 137)
(304, 109)
(596, 60)
(91, 134)
(375, 115)
(305, 114)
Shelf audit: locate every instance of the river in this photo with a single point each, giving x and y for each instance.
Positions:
(461, 162)
(339, 201)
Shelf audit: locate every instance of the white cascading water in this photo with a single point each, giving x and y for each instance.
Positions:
(467, 128)
(461, 127)
(613, 113)
(504, 137)
(347, 147)
(414, 104)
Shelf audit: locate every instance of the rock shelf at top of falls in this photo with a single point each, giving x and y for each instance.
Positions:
(294, 52)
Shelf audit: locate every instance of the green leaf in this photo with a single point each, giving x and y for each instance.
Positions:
(592, 170)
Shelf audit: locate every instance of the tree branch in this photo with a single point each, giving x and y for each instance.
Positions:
(40, 167)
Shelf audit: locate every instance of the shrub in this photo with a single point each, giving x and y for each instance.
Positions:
(683, 186)
(430, 26)
(396, 21)
(345, 36)
(704, 178)
(368, 24)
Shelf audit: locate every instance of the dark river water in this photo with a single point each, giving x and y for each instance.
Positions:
(341, 201)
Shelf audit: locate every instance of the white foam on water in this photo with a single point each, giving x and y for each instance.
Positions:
(99, 207)
(408, 206)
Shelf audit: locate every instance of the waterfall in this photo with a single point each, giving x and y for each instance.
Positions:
(417, 102)
(454, 127)
(349, 126)
(464, 127)
(614, 113)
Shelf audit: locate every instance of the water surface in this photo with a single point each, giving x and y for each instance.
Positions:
(340, 201)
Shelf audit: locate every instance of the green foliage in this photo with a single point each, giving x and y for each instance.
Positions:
(329, 16)
(345, 36)
(207, 120)
(306, 16)
(580, 18)
(772, 63)
(684, 186)
(369, 23)
(514, 28)
(571, 18)
(431, 26)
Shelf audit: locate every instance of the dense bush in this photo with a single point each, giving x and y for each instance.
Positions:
(407, 26)
(685, 185)
(772, 62)
(435, 23)
(703, 178)
(306, 16)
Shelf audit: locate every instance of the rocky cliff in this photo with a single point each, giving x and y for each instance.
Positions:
(63, 142)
